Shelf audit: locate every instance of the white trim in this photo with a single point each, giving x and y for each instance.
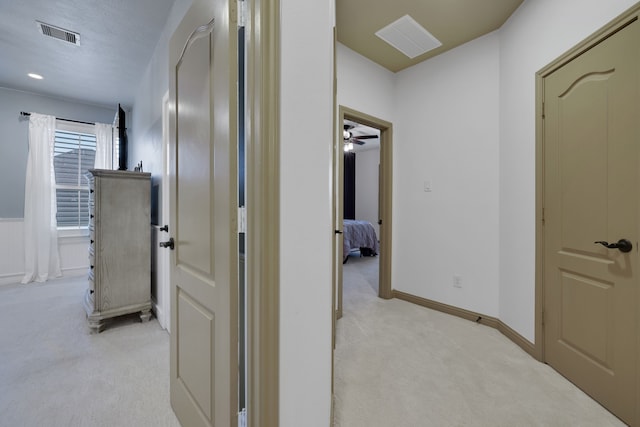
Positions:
(157, 311)
(11, 278)
(75, 271)
(15, 278)
(73, 251)
(72, 234)
(75, 127)
(163, 272)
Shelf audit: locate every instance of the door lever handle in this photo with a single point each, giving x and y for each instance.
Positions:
(170, 244)
(338, 232)
(623, 245)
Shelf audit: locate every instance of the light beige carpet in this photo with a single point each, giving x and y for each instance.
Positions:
(54, 373)
(398, 364)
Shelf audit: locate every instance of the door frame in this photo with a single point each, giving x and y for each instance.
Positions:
(630, 15)
(262, 195)
(385, 194)
(163, 273)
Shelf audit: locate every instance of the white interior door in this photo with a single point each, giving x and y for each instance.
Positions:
(203, 205)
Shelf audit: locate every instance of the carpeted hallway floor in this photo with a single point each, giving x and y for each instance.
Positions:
(398, 364)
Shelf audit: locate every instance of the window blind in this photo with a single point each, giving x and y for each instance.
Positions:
(74, 154)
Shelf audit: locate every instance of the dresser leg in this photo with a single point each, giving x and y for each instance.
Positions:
(96, 326)
(145, 315)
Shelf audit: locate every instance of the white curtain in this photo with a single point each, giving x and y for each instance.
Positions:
(104, 146)
(42, 260)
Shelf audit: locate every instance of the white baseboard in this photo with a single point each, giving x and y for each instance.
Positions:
(159, 313)
(10, 278)
(15, 278)
(75, 271)
(73, 253)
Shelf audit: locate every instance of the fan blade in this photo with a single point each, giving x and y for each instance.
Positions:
(348, 127)
(356, 141)
(365, 136)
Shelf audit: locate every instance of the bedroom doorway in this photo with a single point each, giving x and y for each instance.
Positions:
(357, 126)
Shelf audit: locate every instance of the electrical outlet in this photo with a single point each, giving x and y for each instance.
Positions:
(457, 281)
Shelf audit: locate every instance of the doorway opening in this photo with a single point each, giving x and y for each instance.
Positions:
(374, 135)
(361, 202)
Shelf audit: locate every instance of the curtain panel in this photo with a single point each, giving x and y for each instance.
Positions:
(42, 259)
(104, 146)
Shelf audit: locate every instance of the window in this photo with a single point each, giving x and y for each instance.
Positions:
(74, 153)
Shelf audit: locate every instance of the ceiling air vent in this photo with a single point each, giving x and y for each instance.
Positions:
(408, 37)
(59, 33)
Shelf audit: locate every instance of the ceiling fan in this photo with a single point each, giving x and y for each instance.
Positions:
(348, 136)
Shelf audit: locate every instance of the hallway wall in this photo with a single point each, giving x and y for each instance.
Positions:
(465, 122)
(537, 33)
(306, 236)
(446, 133)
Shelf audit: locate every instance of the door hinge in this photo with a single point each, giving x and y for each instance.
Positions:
(242, 418)
(242, 13)
(543, 110)
(543, 317)
(242, 219)
(542, 216)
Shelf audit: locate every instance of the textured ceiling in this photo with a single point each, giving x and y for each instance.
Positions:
(453, 22)
(117, 40)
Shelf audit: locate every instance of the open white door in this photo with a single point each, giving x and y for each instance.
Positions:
(203, 219)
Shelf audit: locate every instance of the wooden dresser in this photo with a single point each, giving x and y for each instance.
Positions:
(119, 246)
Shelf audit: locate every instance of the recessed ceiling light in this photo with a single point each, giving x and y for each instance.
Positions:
(35, 76)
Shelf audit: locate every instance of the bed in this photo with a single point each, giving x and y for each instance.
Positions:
(359, 235)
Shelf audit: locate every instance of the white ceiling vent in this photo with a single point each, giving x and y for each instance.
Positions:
(59, 33)
(408, 37)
